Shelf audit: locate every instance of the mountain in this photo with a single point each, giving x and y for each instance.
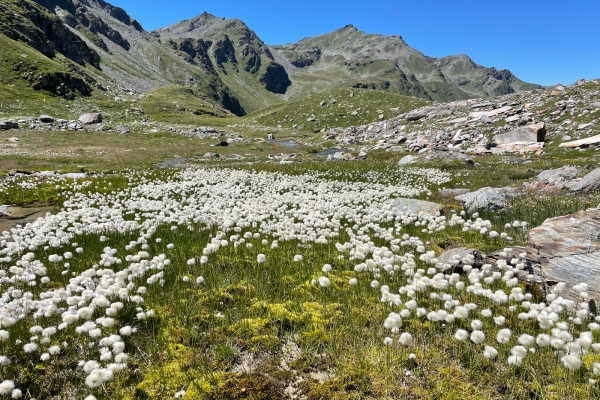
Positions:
(351, 58)
(77, 49)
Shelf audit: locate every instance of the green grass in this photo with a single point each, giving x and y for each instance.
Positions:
(336, 111)
(202, 333)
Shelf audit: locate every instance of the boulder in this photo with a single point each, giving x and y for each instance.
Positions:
(569, 250)
(590, 141)
(222, 143)
(554, 179)
(530, 133)
(211, 155)
(46, 119)
(416, 115)
(488, 198)
(413, 206)
(91, 118)
(407, 160)
(456, 258)
(589, 183)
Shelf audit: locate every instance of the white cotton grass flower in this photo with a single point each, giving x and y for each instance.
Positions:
(4, 335)
(6, 387)
(324, 281)
(503, 336)
(4, 361)
(185, 278)
(199, 280)
(461, 335)
(526, 340)
(477, 337)
(388, 341)
(30, 347)
(572, 362)
(406, 339)
(326, 268)
(16, 394)
(298, 258)
(476, 324)
(191, 261)
(500, 320)
(487, 313)
(261, 258)
(490, 352)
(353, 281)
(543, 340)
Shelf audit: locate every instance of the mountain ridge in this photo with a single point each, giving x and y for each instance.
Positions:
(228, 61)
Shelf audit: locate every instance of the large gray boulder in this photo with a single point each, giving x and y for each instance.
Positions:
(488, 198)
(530, 133)
(91, 118)
(46, 119)
(413, 206)
(589, 183)
(8, 125)
(554, 179)
(569, 250)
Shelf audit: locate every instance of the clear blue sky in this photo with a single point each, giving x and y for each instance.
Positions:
(545, 42)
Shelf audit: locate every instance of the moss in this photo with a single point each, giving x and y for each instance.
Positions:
(232, 386)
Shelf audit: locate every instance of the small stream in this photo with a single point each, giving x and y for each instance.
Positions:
(12, 216)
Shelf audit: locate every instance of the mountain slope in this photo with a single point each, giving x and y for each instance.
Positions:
(98, 49)
(349, 57)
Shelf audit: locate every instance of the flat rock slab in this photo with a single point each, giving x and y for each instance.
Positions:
(519, 147)
(590, 141)
(569, 250)
(413, 206)
(589, 183)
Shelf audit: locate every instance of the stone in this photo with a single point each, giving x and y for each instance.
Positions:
(590, 141)
(554, 179)
(532, 270)
(222, 143)
(8, 125)
(589, 183)
(519, 147)
(486, 120)
(569, 250)
(491, 113)
(211, 155)
(13, 139)
(270, 136)
(46, 119)
(530, 133)
(416, 115)
(91, 118)
(596, 104)
(413, 206)
(407, 160)
(452, 259)
(558, 90)
(488, 198)
(481, 105)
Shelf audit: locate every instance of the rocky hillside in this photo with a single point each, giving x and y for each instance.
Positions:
(97, 48)
(352, 58)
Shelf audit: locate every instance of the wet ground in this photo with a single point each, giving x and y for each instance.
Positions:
(11, 217)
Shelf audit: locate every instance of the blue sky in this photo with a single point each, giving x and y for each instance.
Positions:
(545, 42)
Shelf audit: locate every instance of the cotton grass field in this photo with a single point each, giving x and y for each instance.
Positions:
(278, 282)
